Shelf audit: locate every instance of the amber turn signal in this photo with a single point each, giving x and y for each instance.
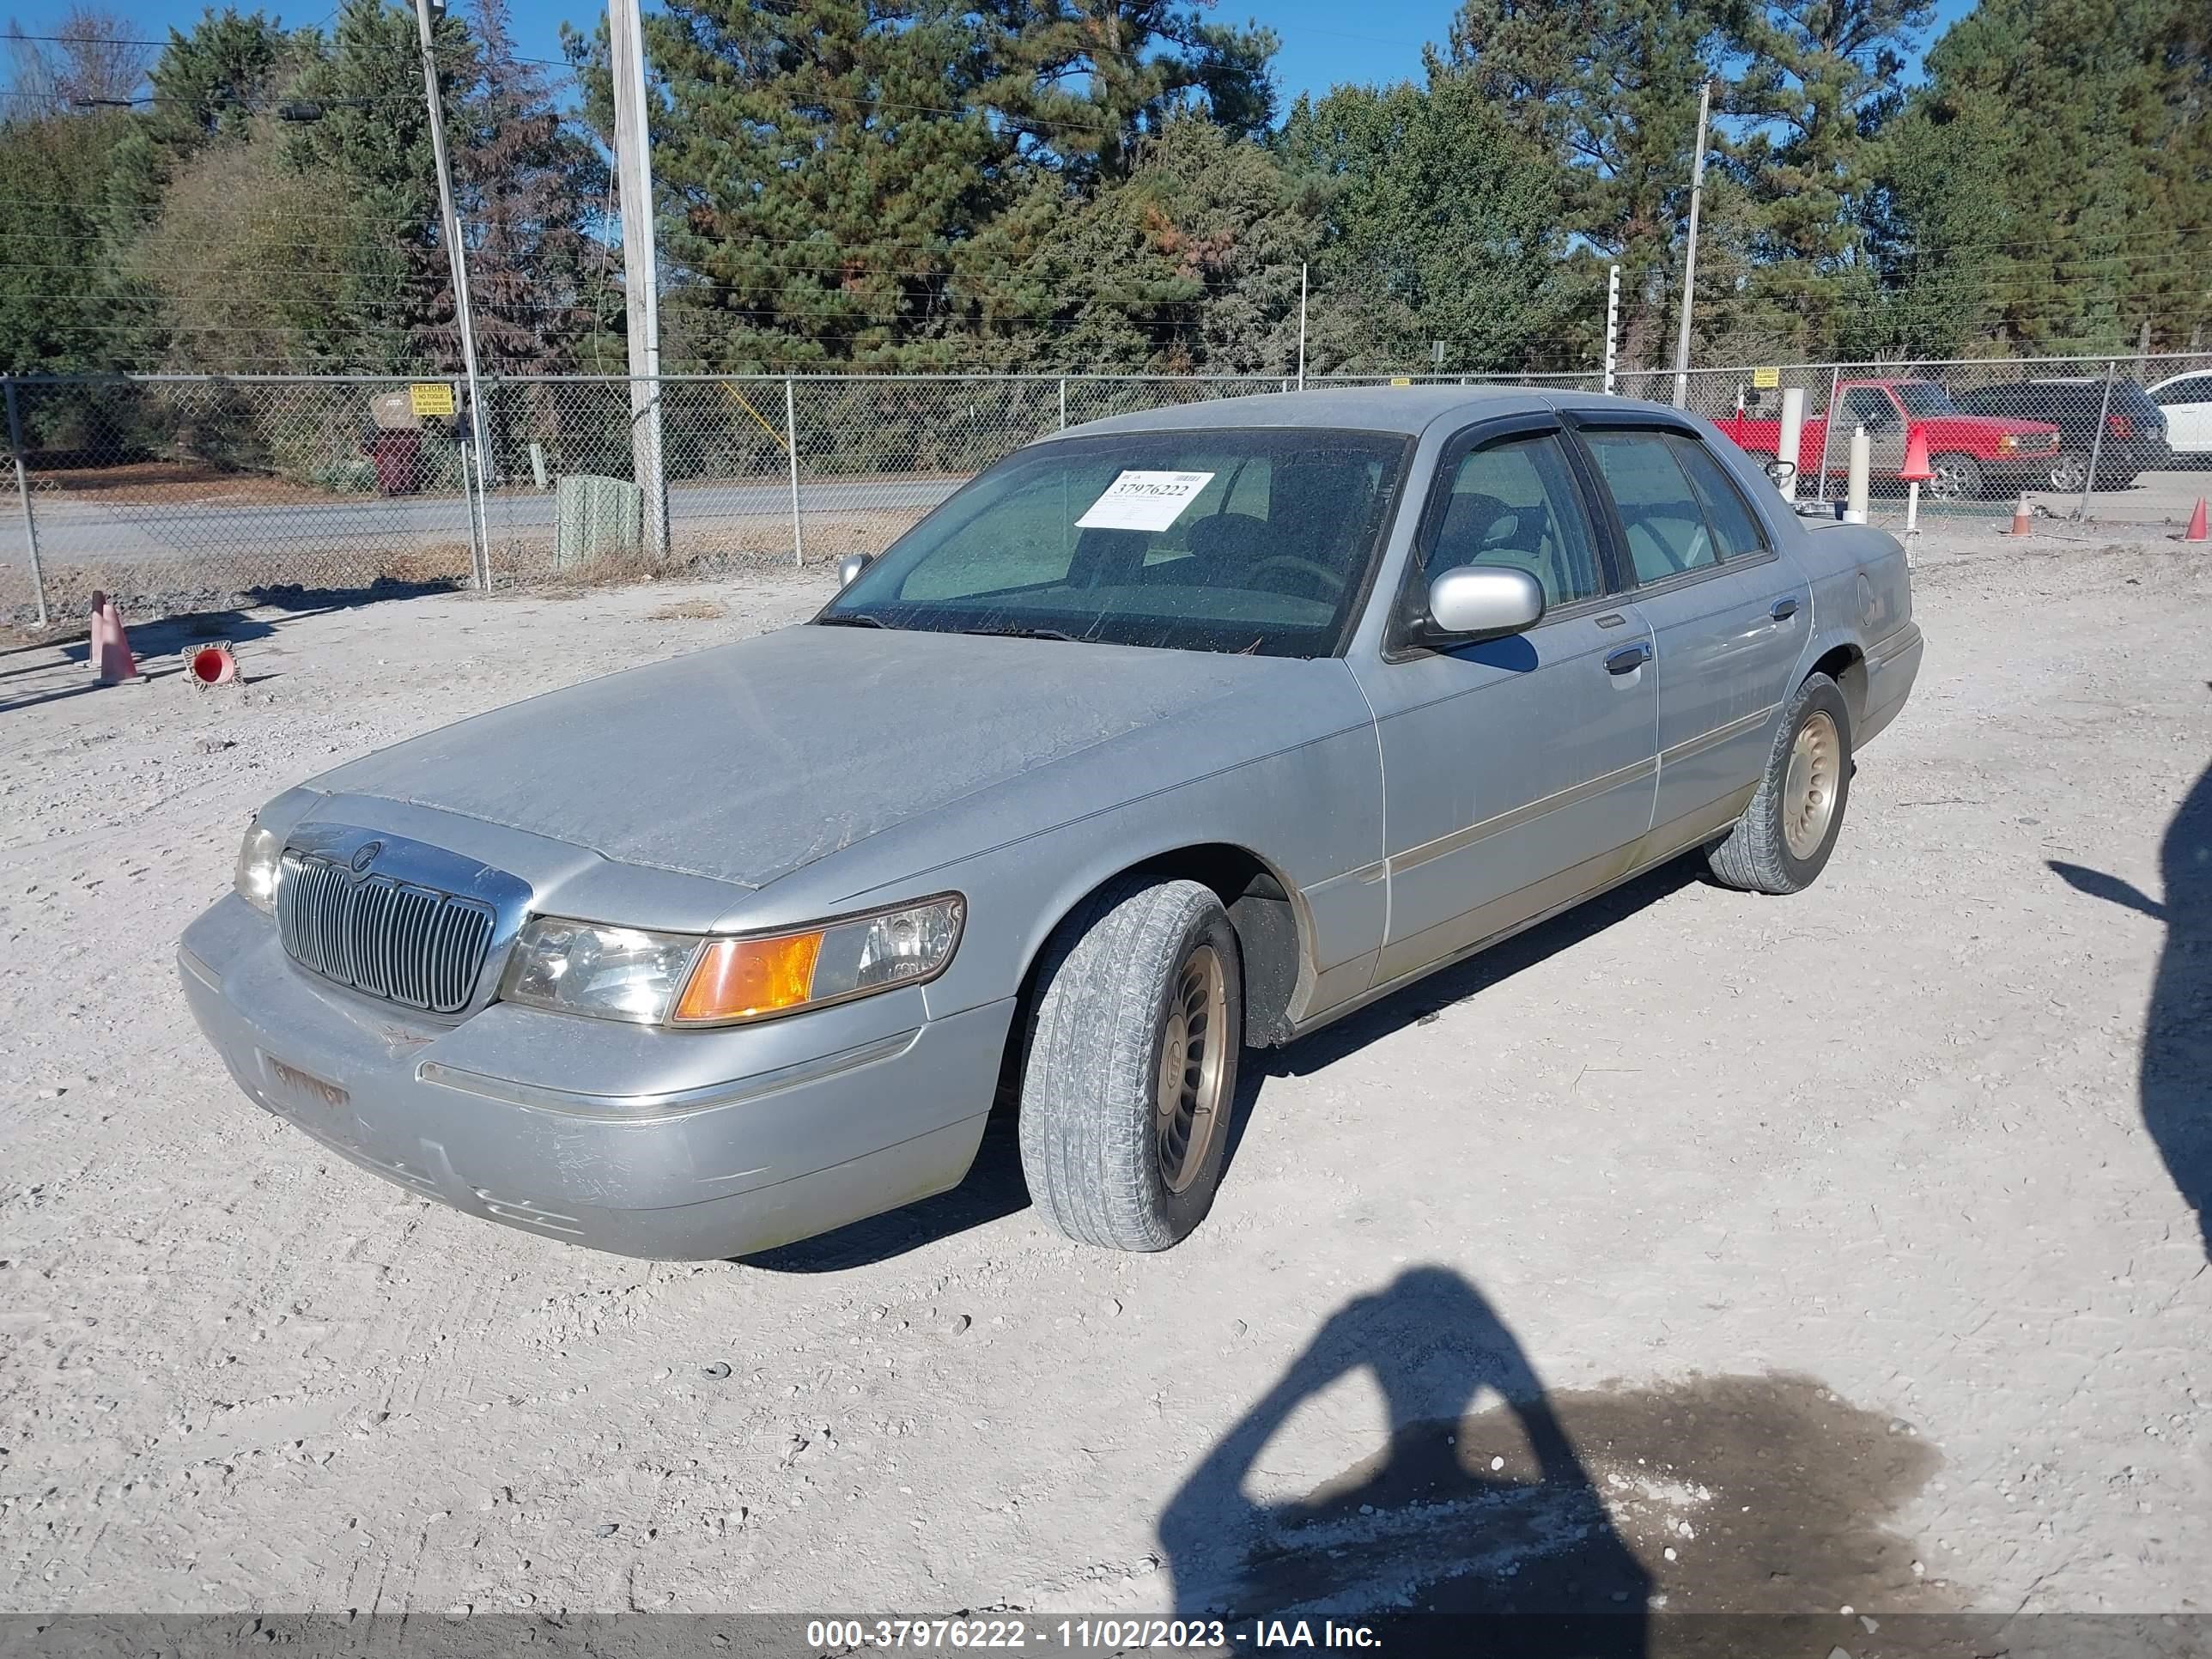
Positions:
(743, 978)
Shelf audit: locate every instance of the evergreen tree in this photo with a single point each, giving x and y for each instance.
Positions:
(1609, 89)
(1189, 265)
(1821, 79)
(370, 154)
(531, 186)
(1084, 81)
(2056, 174)
(817, 161)
(1447, 226)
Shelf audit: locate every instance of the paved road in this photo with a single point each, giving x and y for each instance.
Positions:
(83, 529)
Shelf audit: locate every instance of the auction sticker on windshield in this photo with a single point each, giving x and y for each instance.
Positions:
(1144, 500)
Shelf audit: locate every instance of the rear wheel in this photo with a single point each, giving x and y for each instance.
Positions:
(1130, 1079)
(1782, 842)
(1957, 478)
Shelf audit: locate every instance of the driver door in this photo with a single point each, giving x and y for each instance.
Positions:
(1518, 774)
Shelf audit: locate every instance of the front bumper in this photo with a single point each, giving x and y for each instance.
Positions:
(680, 1145)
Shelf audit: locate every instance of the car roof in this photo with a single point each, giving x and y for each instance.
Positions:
(1410, 409)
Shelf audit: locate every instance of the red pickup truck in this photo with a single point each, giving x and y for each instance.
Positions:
(1968, 453)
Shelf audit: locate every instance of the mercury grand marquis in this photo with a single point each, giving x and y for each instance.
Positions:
(1168, 735)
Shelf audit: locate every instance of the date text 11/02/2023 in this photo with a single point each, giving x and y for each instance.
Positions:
(1112, 1635)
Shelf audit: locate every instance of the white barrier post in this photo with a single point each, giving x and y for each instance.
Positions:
(1855, 506)
(1792, 439)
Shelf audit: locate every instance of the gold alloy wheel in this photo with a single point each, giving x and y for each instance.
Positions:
(1187, 1109)
(1809, 795)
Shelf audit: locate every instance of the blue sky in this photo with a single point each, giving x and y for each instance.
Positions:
(1324, 41)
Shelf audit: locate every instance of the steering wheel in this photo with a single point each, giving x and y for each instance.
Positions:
(1332, 582)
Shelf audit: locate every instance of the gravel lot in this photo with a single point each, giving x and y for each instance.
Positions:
(1757, 1253)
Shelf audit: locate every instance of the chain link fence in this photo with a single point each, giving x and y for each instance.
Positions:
(178, 494)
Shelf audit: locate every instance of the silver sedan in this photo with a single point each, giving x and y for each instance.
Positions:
(1168, 736)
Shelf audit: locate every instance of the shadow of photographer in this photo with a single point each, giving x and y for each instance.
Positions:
(1430, 1523)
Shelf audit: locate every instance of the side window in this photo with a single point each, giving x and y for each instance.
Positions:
(1516, 502)
(1864, 406)
(1734, 524)
(2197, 389)
(1665, 526)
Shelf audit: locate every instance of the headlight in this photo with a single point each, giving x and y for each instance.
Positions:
(255, 876)
(682, 979)
(2008, 441)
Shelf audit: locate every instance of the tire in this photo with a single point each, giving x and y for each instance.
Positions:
(2069, 472)
(1123, 989)
(1758, 855)
(1958, 478)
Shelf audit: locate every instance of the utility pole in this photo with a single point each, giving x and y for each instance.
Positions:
(641, 268)
(1301, 325)
(457, 258)
(1690, 257)
(1612, 328)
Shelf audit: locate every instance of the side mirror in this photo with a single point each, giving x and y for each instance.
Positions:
(851, 566)
(1484, 602)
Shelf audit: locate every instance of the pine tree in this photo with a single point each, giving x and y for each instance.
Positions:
(1446, 227)
(1084, 81)
(1821, 79)
(1609, 89)
(371, 151)
(2057, 171)
(531, 186)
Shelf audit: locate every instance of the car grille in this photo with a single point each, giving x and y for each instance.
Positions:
(409, 944)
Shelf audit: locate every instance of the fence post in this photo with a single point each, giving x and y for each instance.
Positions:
(1063, 402)
(23, 495)
(2097, 441)
(791, 445)
(1828, 424)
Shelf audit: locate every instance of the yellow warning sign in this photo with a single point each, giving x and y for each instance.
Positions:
(1766, 380)
(1401, 379)
(430, 398)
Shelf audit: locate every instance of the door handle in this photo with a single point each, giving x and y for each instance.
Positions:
(1628, 658)
(1783, 609)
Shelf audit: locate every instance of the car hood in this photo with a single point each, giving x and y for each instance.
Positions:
(743, 762)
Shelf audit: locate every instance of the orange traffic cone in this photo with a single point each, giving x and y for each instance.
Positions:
(1917, 469)
(2021, 516)
(111, 647)
(2197, 531)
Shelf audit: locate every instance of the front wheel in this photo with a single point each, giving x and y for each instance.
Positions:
(1130, 1079)
(1957, 478)
(1782, 842)
(2070, 473)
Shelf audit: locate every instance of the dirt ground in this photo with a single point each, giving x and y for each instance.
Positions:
(1706, 1250)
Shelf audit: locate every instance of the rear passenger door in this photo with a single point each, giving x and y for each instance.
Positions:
(1728, 616)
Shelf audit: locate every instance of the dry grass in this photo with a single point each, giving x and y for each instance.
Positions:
(689, 611)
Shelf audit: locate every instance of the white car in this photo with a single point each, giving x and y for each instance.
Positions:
(2187, 401)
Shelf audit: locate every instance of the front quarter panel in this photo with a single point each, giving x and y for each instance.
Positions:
(1292, 779)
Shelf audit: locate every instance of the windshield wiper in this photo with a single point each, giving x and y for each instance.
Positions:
(851, 619)
(1018, 632)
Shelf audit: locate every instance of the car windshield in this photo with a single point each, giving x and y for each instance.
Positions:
(1254, 541)
(1924, 397)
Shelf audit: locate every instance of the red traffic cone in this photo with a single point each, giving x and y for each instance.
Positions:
(214, 665)
(111, 647)
(1917, 469)
(2021, 518)
(2197, 531)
